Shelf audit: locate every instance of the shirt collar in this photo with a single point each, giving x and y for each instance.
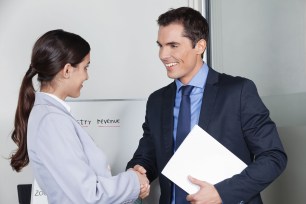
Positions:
(198, 80)
(59, 100)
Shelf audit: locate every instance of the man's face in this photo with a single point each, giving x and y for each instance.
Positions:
(181, 60)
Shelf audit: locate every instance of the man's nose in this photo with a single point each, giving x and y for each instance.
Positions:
(164, 53)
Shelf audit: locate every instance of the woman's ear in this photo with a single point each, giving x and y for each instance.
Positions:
(66, 72)
(200, 46)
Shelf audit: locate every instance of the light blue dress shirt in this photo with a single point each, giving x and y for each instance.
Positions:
(198, 81)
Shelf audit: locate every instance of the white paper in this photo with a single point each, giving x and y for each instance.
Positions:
(202, 157)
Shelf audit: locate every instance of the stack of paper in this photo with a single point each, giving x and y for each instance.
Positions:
(202, 157)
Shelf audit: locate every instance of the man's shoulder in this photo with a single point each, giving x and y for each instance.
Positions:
(227, 78)
(164, 90)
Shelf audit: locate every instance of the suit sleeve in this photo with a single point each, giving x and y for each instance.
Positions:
(145, 154)
(62, 154)
(262, 139)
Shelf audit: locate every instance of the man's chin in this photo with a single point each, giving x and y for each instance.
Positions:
(172, 76)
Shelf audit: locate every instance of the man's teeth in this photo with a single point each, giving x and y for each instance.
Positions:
(171, 64)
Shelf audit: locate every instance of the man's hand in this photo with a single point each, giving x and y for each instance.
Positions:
(143, 180)
(206, 195)
(140, 169)
(144, 185)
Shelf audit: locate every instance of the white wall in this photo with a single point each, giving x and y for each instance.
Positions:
(124, 57)
(266, 42)
(262, 40)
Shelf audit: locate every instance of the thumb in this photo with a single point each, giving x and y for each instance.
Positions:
(196, 181)
(140, 169)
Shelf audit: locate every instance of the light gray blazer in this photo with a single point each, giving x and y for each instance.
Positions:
(66, 162)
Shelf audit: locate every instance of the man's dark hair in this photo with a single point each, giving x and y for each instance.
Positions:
(195, 25)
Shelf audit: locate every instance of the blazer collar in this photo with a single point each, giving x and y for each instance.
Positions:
(167, 119)
(207, 106)
(209, 97)
(44, 99)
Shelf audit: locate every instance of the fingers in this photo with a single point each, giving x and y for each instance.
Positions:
(144, 191)
(144, 185)
(143, 180)
(206, 194)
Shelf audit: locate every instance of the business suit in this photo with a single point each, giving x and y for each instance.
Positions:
(67, 164)
(233, 113)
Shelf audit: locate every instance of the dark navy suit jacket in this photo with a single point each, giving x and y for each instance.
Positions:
(233, 113)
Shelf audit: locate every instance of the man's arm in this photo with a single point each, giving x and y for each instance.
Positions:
(262, 140)
(144, 155)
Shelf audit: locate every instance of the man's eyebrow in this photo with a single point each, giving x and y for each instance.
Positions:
(169, 43)
(172, 43)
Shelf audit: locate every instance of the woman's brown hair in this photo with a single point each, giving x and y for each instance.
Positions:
(50, 53)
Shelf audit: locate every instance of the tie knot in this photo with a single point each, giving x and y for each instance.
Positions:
(186, 90)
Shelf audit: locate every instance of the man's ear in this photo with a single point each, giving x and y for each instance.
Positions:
(66, 71)
(200, 46)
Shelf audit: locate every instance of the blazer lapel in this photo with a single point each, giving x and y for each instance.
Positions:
(209, 96)
(167, 119)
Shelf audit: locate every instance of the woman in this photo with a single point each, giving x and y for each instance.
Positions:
(66, 163)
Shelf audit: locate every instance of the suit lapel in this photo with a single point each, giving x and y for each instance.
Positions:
(209, 97)
(167, 119)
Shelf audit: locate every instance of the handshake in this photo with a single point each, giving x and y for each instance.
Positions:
(143, 180)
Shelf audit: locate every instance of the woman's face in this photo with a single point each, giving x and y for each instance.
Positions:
(77, 77)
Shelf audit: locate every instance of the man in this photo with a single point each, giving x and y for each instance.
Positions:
(228, 108)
